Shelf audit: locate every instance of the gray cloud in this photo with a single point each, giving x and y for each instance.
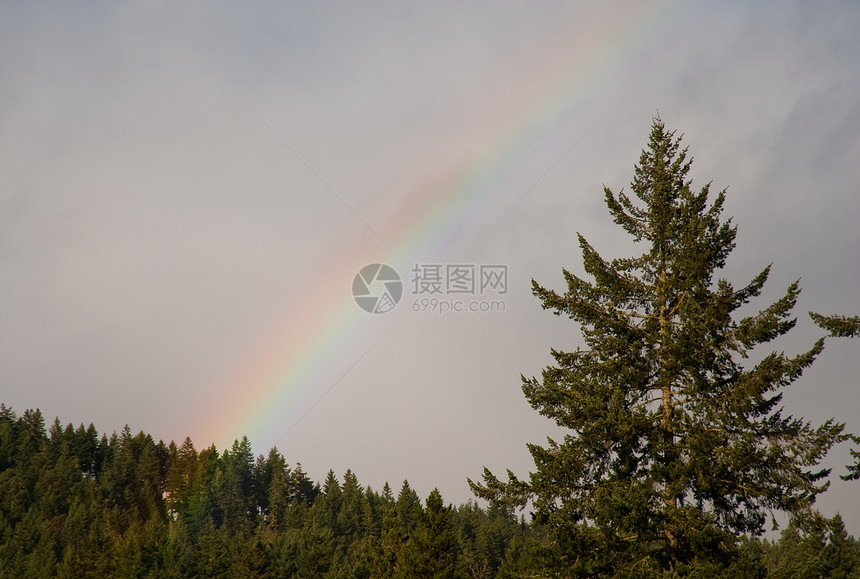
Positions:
(152, 229)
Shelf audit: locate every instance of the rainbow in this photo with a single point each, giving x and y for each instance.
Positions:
(287, 376)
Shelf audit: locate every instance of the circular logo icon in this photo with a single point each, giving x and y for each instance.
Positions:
(377, 288)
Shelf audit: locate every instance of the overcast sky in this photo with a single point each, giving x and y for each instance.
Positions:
(187, 191)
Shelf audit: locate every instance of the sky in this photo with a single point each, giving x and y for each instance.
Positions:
(187, 193)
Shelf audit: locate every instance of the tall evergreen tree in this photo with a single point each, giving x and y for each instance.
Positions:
(350, 514)
(407, 501)
(236, 485)
(674, 445)
(841, 554)
(202, 497)
(430, 550)
(181, 466)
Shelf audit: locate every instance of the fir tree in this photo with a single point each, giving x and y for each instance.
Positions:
(350, 514)
(430, 550)
(841, 554)
(674, 444)
(407, 500)
(236, 485)
(181, 466)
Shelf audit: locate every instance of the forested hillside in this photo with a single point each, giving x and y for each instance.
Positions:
(74, 503)
(77, 503)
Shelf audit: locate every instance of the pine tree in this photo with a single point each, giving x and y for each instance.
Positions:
(430, 550)
(673, 444)
(392, 535)
(304, 490)
(181, 466)
(236, 485)
(277, 491)
(841, 554)
(407, 500)
(202, 497)
(330, 502)
(349, 517)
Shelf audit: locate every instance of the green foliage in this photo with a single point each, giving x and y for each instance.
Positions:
(74, 505)
(839, 326)
(675, 444)
(814, 547)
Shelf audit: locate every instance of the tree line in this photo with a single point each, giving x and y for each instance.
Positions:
(74, 503)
